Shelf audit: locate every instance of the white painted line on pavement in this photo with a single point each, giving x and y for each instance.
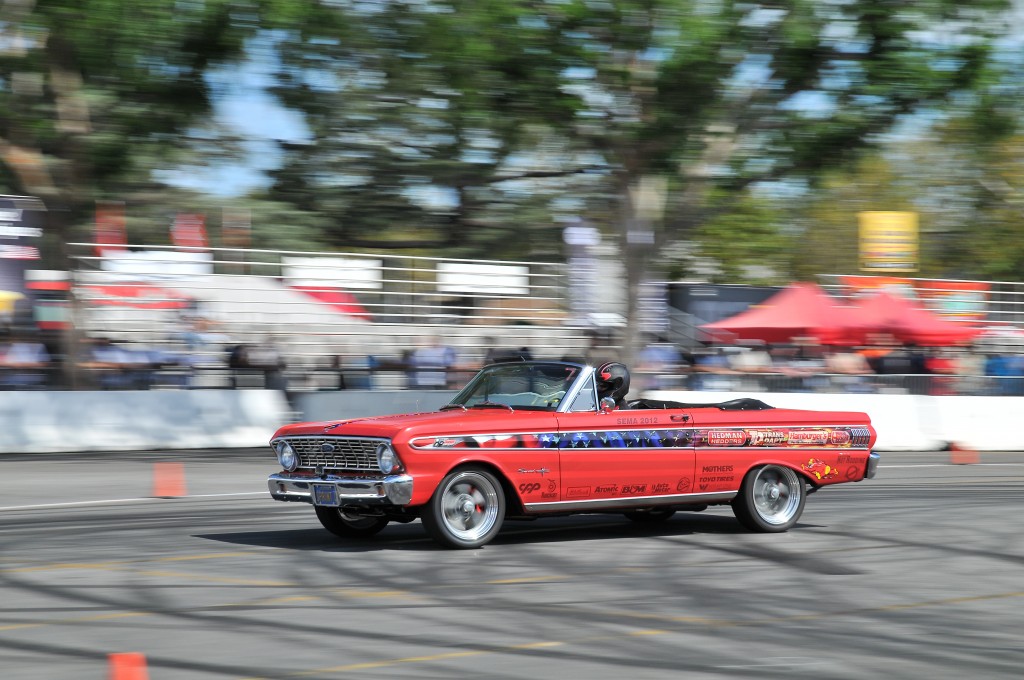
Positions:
(114, 501)
(218, 495)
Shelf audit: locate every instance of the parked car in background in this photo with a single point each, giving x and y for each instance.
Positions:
(532, 438)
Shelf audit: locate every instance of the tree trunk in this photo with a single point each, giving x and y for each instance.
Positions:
(642, 206)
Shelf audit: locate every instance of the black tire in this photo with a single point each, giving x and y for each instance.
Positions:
(771, 499)
(466, 510)
(652, 516)
(342, 524)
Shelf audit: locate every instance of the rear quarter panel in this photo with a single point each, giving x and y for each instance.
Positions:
(826, 447)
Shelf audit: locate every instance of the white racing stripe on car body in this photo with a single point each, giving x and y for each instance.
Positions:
(924, 465)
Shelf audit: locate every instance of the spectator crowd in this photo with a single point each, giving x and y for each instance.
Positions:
(200, 351)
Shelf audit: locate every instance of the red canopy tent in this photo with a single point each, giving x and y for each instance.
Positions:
(800, 310)
(907, 322)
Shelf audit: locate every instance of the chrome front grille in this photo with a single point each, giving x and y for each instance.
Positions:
(349, 453)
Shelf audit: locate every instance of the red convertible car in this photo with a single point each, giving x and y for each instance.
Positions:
(527, 439)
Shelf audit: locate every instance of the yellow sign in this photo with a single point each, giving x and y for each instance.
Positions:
(888, 241)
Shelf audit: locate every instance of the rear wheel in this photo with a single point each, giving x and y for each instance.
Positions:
(771, 499)
(466, 510)
(347, 525)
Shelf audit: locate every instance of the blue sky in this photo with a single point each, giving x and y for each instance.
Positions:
(244, 108)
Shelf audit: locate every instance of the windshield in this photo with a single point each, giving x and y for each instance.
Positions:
(534, 386)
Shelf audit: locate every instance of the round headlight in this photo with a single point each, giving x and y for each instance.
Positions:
(387, 461)
(286, 456)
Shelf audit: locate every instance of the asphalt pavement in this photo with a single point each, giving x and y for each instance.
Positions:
(917, 573)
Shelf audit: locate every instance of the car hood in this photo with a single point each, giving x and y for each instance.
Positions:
(454, 421)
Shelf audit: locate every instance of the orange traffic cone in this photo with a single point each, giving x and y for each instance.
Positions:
(168, 480)
(960, 454)
(128, 666)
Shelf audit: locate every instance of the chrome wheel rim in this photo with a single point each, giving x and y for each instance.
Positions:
(469, 506)
(776, 492)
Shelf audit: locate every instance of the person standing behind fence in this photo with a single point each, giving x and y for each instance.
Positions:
(24, 362)
(431, 364)
(659, 365)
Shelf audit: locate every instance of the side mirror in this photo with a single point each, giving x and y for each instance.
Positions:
(607, 404)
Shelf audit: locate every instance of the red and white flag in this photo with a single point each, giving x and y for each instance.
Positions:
(11, 252)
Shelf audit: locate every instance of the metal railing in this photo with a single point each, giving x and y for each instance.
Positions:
(846, 383)
(317, 309)
(351, 320)
(981, 302)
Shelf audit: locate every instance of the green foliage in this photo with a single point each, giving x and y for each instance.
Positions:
(826, 222)
(104, 89)
(471, 127)
(984, 232)
(747, 242)
(715, 97)
(414, 112)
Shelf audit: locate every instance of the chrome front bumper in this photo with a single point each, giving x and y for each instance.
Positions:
(873, 459)
(390, 490)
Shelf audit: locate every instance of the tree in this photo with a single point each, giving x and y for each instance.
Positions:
(417, 115)
(966, 185)
(974, 195)
(96, 94)
(661, 108)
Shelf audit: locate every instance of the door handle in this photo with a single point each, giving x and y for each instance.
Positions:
(679, 417)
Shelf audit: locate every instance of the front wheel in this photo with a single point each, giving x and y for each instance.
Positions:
(346, 525)
(466, 510)
(771, 499)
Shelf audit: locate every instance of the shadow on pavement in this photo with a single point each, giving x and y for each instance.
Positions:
(412, 537)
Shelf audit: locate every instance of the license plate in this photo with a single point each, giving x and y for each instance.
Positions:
(325, 494)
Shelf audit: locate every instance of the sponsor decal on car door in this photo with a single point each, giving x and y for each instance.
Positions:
(624, 454)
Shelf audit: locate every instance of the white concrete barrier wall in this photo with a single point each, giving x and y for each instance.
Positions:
(982, 423)
(904, 422)
(367, 403)
(145, 420)
(190, 419)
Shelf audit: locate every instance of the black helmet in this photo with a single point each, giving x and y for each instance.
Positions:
(612, 381)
